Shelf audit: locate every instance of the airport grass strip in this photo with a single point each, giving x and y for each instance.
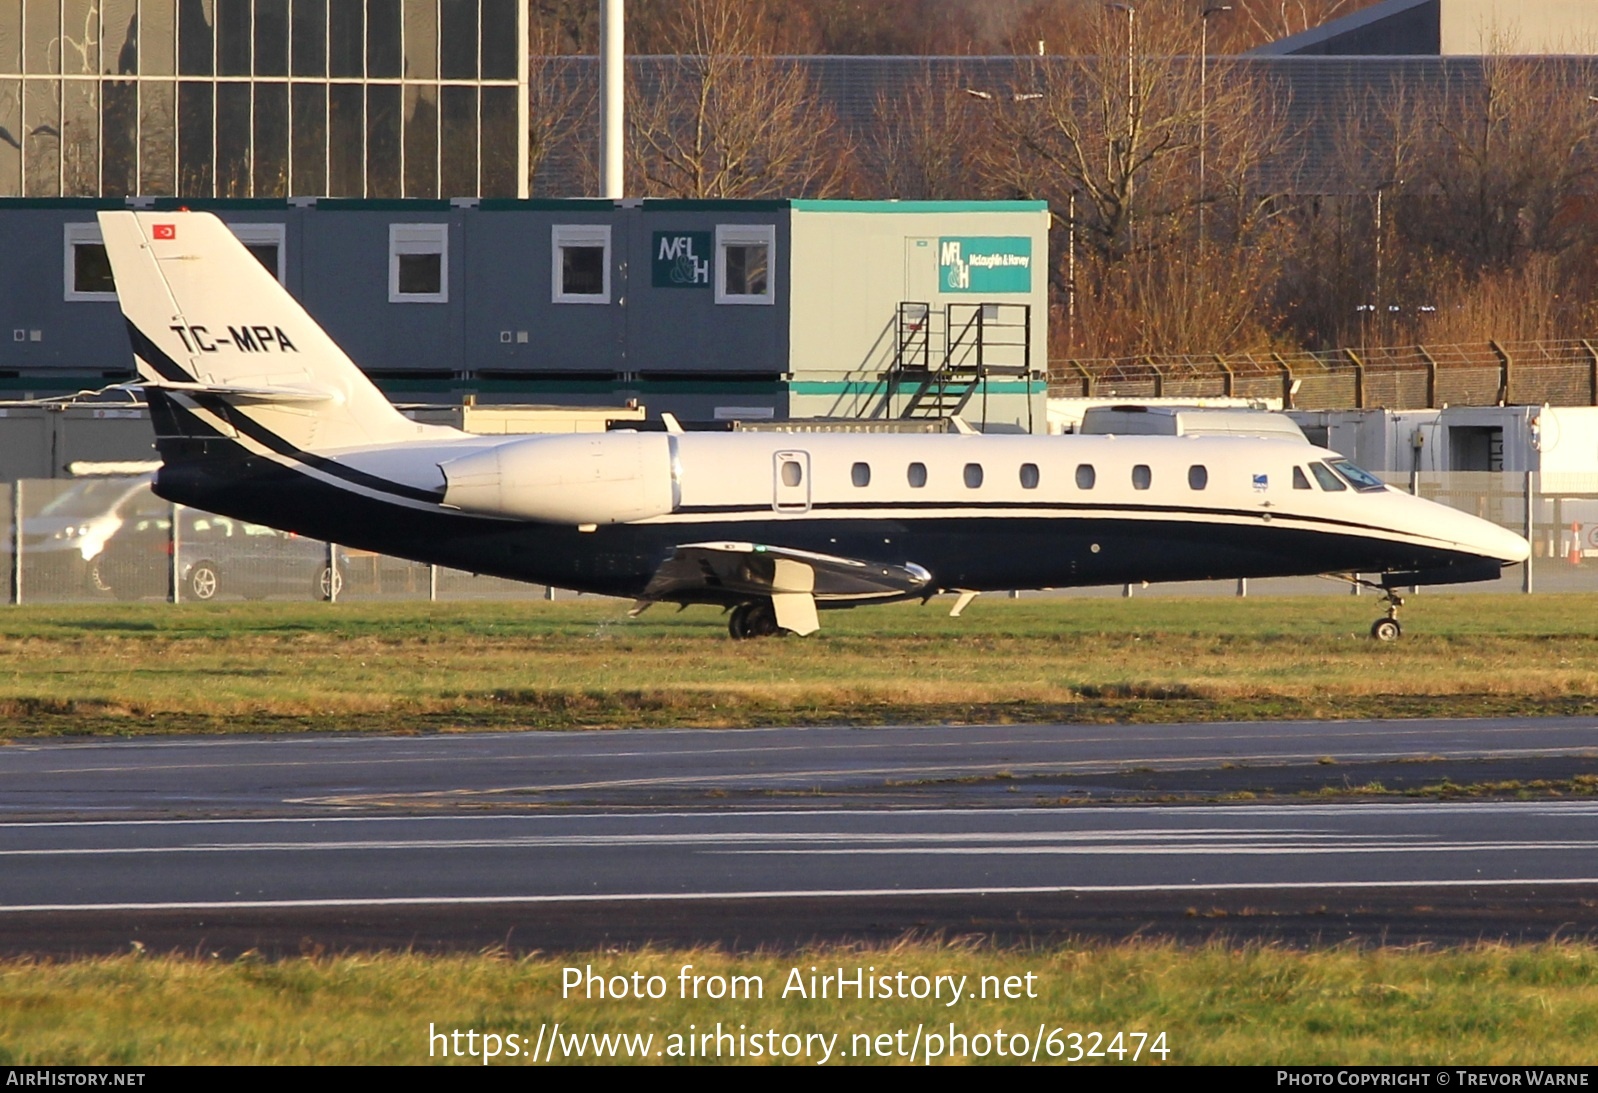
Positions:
(582, 664)
(1216, 1003)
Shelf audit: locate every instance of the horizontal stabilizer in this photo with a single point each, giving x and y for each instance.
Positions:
(243, 394)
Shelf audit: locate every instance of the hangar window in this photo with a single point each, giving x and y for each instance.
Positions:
(744, 263)
(1029, 476)
(973, 475)
(860, 474)
(1198, 476)
(1300, 480)
(88, 270)
(418, 263)
(1142, 477)
(1085, 476)
(580, 260)
(917, 475)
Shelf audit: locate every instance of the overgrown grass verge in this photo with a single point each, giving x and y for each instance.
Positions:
(581, 664)
(1215, 1004)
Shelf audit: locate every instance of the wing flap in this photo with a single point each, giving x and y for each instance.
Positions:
(730, 572)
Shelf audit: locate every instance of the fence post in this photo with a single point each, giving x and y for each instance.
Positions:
(1287, 380)
(16, 542)
(174, 570)
(1229, 380)
(1159, 377)
(1359, 378)
(1503, 372)
(1431, 378)
(432, 584)
(1592, 372)
(1087, 381)
(1531, 528)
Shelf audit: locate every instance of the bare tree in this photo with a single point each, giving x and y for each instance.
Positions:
(1508, 154)
(562, 95)
(723, 117)
(916, 148)
(1152, 166)
(1261, 21)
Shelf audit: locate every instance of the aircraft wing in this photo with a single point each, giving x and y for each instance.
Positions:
(793, 579)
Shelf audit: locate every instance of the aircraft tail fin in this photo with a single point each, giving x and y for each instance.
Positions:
(222, 344)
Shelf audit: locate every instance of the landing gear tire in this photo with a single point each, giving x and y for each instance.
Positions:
(1386, 630)
(755, 619)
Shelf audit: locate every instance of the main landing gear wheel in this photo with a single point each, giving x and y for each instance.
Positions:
(755, 619)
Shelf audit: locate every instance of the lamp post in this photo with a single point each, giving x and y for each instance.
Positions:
(1204, 108)
(1131, 114)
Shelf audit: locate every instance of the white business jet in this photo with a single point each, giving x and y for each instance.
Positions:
(260, 416)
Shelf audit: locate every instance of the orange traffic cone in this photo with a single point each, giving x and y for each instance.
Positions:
(1575, 544)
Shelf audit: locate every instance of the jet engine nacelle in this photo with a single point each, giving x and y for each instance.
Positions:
(598, 478)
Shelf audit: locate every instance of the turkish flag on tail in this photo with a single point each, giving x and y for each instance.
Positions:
(165, 231)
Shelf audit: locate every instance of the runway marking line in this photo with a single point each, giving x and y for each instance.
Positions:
(868, 893)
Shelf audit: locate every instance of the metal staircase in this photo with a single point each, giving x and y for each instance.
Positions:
(978, 340)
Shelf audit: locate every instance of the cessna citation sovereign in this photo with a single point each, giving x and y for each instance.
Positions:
(260, 416)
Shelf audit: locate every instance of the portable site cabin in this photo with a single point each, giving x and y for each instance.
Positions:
(713, 310)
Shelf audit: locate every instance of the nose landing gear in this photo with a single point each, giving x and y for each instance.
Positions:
(1385, 628)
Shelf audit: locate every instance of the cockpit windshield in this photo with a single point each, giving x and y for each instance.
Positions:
(1362, 480)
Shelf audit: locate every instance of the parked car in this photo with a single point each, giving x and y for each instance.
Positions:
(217, 556)
(62, 542)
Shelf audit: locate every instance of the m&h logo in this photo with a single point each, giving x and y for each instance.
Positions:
(681, 260)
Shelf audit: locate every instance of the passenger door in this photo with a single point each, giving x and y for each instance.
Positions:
(791, 481)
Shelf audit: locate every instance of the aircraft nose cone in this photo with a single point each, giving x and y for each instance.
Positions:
(1487, 539)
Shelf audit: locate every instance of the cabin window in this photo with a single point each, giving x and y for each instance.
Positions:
(1029, 476)
(1362, 480)
(418, 263)
(973, 475)
(1329, 481)
(860, 474)
(1142, 477)
(1198, 476)
(1085, 476)
(580, 263)
(1300, 479)
(792, 473)
(917, 475)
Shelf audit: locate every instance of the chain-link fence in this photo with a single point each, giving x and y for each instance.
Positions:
(112, 538)
(1561, 373)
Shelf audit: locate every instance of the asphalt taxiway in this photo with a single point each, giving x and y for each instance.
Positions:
(787, 836)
